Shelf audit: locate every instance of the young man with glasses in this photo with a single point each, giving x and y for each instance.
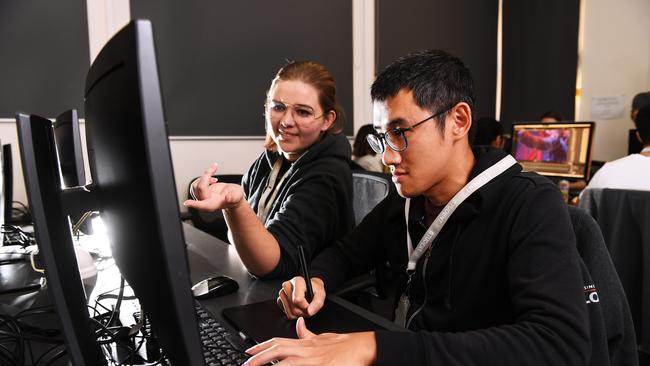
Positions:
(490, 269)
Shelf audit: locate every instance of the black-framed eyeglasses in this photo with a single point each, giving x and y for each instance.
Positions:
(396, 137)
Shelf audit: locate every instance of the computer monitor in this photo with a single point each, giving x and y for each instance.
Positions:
(54, 238)
(554, 149)
(69, 149)
(131, 169)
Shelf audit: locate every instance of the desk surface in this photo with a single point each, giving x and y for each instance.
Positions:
(209, 256)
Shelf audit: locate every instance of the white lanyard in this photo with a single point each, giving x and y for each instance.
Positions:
(433, 231)
(265, 203)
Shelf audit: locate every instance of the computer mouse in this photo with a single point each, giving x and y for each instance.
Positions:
(214, 286)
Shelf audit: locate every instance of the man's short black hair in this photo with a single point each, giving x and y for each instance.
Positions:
(643, 124)
(437, 79)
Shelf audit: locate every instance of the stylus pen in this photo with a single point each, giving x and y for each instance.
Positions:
(305, 273)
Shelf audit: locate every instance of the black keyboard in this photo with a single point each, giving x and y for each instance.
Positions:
(220, 346)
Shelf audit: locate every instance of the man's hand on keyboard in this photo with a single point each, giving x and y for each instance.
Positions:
(291, 297)
(312, 349)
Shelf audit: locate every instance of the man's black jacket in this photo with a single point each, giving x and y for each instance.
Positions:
(501, 286)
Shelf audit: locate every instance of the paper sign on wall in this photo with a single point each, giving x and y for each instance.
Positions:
(607, 107)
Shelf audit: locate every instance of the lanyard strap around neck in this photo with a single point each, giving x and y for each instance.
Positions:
(479, 181)
(266, 202)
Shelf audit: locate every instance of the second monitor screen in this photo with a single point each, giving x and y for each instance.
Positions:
(553, 149)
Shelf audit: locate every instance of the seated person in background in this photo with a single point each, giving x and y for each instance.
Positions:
(632, 171)
(499, 285)
(639, 101)
(551, 117)
(489, 132)
(299, 191)
(363, 154)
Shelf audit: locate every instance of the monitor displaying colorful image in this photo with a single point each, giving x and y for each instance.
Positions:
(554, 149)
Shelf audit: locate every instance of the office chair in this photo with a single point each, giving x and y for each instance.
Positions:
(369, 188)
(612, 329)
(624, 217)
(212, 223)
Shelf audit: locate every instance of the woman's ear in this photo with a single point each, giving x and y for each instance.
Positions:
(328, 120)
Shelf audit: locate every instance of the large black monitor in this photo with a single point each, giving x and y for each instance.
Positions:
(54, 238)
(132, 173)
(69, 149)
(554, 149)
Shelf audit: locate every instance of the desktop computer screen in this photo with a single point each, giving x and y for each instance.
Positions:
(54, 238)
(69, 149)
(554, 149)
(132, 174)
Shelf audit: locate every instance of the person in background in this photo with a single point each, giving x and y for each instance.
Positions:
(638, 102)
(489, 132)
(363, 154)
(498, 283)
(632, 171)
(298, 191)
(551, 117)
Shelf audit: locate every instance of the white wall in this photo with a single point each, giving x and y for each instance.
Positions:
(615, 60)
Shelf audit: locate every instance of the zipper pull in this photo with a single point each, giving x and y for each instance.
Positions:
(404, 302)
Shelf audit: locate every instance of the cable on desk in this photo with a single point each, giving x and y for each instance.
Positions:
(16, 339)
(56, 356)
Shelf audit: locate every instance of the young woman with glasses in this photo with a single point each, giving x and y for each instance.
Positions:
(299, 191)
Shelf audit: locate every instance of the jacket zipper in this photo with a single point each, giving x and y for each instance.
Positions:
(426, 288)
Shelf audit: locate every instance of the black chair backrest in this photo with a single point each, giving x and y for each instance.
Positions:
(612, 330)
(624, 218)
(369, 188)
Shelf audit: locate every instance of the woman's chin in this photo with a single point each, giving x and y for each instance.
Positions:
(291, 154)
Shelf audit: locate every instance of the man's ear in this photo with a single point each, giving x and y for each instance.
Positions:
(461, 116)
